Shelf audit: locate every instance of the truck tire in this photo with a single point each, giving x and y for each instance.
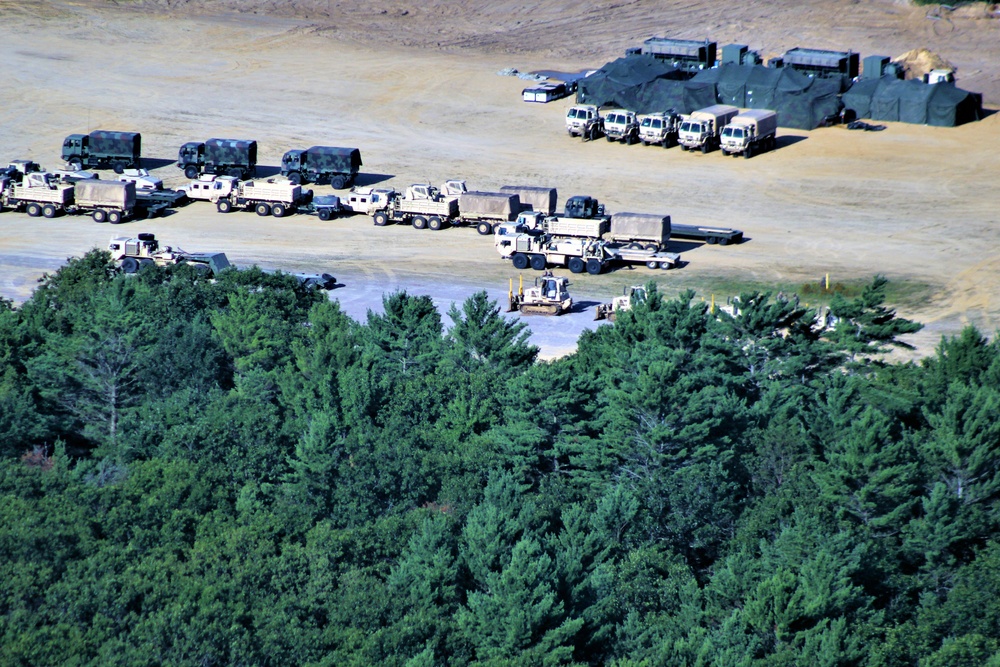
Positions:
(295, 178)
(652, 246)
(146, 236)
(635, 246)
(520, 261)
(191, 172)
(419, 222)
(118, 167)
(666, 266)
(576, 265)
(684, 148)
(723, 241)
(262, 209)
(49, 211)
(278, 211)
(114, 217)
(144, 262)
(748, 152)
(652, 264)
(704, 149)
(236, 173)
(99, 216)
(338, 182)
(34, 210)
(380, 219)
(610, 139)
(129, 265)
(224, 206)
(75, 163)
(324, 214)
(484, 228)
(711, 240)
(435, 223)
(538, 262)
(594, 266)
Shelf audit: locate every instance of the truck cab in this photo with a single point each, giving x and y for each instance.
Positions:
(583, 207)
(583, 121)
(659, 128)
(293, 162)
(693, 133)
(191, 157)
(621, 124)
(75, 148)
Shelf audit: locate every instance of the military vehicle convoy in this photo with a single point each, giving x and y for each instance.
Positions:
(338, 166)
(702, 129)
(43, 194)
(103, 149)
(234, 157)
(549, 296)
(749, 133)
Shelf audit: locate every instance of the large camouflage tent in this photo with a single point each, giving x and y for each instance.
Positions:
(620, 82)
(801, 101)
(913, 101)
(681, 96)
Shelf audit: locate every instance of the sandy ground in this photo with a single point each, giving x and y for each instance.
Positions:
(917, 204)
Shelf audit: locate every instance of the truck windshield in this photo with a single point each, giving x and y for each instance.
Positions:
(688, 126)
(576, 113)
(733, 132)
(656, 124)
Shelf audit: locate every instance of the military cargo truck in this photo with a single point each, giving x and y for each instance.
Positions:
(417, 208)
(486, 210)
(43, 194)
(703, 128)
(749, 133)
(659, 128)
(132, 253)
(268, 197)
(621, 125)
(235, 157)
(584, 121)
(338, 166)
(110, 201)
(103, 149)
(577, 254)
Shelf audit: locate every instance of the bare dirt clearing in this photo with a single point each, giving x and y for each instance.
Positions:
(915, 203)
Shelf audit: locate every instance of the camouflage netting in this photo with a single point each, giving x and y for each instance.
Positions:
(801, 102)
(620, 82)
(912, 101)
(645, 85)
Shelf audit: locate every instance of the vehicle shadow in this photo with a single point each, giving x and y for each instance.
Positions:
(368, 179)
(151, 163)
(581, 306)
(783, 140)
(267, 170)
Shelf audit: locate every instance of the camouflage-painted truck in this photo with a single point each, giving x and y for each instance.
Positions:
(103, 149)
(339, 166)
(233, 157)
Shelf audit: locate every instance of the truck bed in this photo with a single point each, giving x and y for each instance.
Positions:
(63, 195)
(446, 209)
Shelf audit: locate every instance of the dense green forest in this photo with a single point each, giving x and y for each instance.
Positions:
(233, 472)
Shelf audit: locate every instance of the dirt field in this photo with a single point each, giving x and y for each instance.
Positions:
(418, 93)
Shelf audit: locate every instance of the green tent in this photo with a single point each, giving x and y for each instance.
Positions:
(913, 101)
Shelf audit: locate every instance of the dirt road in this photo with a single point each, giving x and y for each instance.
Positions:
(915, 203)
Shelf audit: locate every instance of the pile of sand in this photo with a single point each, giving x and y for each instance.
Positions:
(918, 62)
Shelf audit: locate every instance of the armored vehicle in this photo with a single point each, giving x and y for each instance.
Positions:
(103, 149)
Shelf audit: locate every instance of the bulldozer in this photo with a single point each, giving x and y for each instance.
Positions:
(631, 295)
(549, 296)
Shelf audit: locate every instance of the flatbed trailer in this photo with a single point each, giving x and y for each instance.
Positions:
(708, 234)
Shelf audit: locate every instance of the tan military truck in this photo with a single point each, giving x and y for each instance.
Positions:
(584, 121)
(266, 197)
(43, 194)
(621, 125)
(702, 129)
(659, 128)
(421, 206)
(132, 253)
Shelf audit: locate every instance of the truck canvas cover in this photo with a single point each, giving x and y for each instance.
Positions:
(231, 151)
(640, 226)
(106, 142)
(505, 204)
(346, 160)
(92, 192)
(534, 197)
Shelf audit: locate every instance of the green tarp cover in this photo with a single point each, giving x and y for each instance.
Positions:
(913, 101)
(620, 82)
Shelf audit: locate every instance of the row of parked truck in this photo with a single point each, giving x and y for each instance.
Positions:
(720, 126)
(104, 149)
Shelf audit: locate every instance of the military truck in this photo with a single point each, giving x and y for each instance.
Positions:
(534, 197)
(659, 128)
(338, 166)
(421, 206)
(103, 149)
(621, 125)
(42, 194)
(540, 250)
(749, 133)
(265, 197)
(584, 121)
(130, 254)
(549, 296)
(631, 295)
(486, 210)
(235, 157)
(703, 128)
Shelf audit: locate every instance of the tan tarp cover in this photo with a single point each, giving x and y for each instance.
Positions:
(535, 197)
(104, 193)
(640, 226)
(503, 204)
